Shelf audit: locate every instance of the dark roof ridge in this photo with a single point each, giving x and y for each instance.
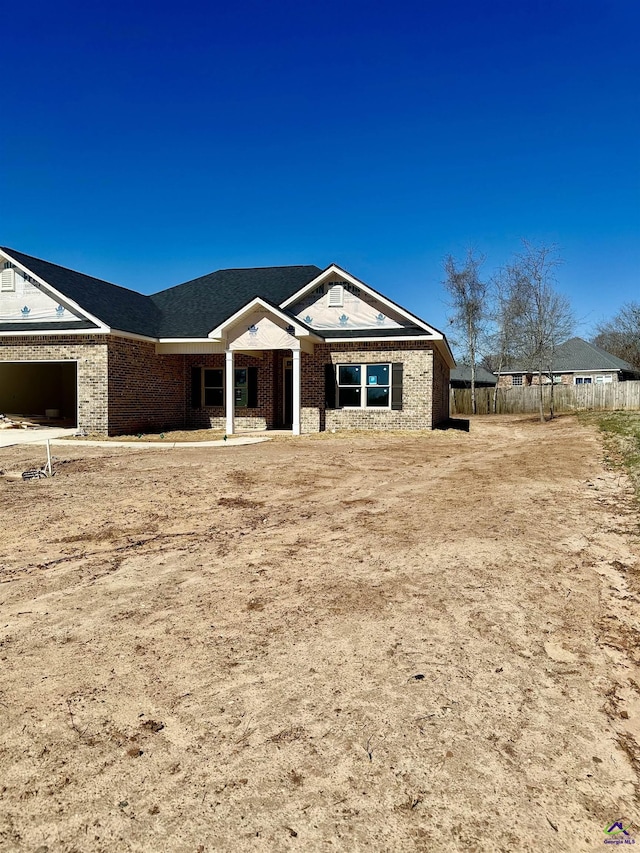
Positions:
(232, 269)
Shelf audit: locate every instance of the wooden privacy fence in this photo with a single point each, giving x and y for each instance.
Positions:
(567, 398)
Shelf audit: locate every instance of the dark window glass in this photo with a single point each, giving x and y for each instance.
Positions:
(377, 374)
(350, 396)
(349, 374)
(377, 396)
(213, 397)
(213, 378)
(213, 393)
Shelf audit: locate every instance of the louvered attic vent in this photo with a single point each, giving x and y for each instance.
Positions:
(336, 296)
(8, 280)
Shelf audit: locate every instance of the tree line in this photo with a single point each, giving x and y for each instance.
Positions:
(517, 317)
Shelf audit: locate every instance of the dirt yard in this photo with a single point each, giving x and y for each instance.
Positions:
(380, 643)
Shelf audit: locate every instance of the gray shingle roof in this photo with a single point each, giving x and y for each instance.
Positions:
(190, 310)
(196, 307)
(463, 374)
(577, 355)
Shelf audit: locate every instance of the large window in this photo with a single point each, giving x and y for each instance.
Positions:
(364, 386)
(213, 387)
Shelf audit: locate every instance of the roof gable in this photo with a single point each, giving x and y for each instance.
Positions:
(334, 272)
(117, 307)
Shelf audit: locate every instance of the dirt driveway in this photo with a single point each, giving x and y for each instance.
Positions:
(326, 643)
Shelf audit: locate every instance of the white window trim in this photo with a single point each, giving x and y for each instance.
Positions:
(585, 380)
(363, 385)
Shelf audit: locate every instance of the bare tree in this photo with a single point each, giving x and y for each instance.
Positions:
(505, 312)
(542, 317)
(621, 335)
(468, 304)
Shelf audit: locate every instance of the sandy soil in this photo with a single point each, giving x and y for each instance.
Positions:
(370, 643)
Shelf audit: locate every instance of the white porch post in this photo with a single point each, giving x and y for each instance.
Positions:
(229, 391)
(296, 391)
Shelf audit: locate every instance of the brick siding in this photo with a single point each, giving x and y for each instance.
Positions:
(90, 353)
(424, 404)
(146, 391)
(528, 379)
(262, 417)
(123, 386)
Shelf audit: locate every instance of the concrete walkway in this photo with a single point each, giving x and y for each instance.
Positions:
(12, 437)
(37, 435)
(163, 445)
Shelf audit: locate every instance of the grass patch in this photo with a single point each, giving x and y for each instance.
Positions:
(621, 431)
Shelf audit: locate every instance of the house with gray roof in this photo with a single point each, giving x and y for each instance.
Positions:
(461, 377)
(576, 362)
(295, 347)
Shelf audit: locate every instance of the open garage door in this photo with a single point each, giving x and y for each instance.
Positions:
(42, 391)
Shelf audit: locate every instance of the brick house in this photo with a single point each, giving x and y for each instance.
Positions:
(576, 362)
(295, 347)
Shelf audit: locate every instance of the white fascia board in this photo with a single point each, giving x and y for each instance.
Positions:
(185, 340)
(132, 335)
(334, 269)
(59, 296)
(299, 331)
(390, 339)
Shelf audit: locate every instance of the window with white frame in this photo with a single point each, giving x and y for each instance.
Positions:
(364, 386)
(603, 379)
(516, 380)
(583, 380)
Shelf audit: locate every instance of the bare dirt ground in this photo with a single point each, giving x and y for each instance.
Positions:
(368, 643)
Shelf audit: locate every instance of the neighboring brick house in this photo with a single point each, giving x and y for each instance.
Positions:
(294, 347)
(576, 362)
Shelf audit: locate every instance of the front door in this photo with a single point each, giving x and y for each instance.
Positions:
(287, 385)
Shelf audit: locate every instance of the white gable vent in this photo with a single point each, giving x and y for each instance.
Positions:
(8, 280)
(336, 296)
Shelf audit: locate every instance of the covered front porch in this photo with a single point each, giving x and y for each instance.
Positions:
(284, 408)
(247, 375)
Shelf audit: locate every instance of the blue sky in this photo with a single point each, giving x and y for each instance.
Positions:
(149, 143)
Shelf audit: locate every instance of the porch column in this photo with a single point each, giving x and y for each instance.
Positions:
(229, 391)
(296, 376)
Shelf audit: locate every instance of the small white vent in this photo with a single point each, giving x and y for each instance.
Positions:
(8, 280)
(336, 296)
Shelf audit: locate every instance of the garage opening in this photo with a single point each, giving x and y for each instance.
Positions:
(40, 391)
